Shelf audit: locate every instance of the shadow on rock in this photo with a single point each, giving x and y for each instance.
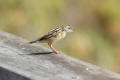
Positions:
(40, 53)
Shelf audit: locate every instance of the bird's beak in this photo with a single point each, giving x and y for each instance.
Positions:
(71, 31)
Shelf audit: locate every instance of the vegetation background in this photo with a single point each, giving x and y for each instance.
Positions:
(96, 23)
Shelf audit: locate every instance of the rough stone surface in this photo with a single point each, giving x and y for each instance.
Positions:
(22, 61)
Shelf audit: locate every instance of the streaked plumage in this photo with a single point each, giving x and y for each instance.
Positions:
(53, 35)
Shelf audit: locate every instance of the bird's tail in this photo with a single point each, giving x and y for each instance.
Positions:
(34, 41)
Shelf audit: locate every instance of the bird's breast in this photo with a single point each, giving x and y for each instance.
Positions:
(58, 37)
(61, 35)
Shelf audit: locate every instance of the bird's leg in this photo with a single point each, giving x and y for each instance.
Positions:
(54, 50)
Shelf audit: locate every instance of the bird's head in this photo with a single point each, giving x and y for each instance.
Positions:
(68, 28)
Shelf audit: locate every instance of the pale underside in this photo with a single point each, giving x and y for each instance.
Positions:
(51, 39)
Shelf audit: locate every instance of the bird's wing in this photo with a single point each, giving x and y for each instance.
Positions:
(52, 33)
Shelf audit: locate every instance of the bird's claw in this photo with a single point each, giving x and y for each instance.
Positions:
(57, 52)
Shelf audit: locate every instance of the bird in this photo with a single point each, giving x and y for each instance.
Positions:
(53, 35)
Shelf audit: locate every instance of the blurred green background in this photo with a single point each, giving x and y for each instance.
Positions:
(96, 23)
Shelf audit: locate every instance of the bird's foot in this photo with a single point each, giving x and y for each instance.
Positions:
(57, 52)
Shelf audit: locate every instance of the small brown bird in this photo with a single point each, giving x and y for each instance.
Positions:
(53, 35)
